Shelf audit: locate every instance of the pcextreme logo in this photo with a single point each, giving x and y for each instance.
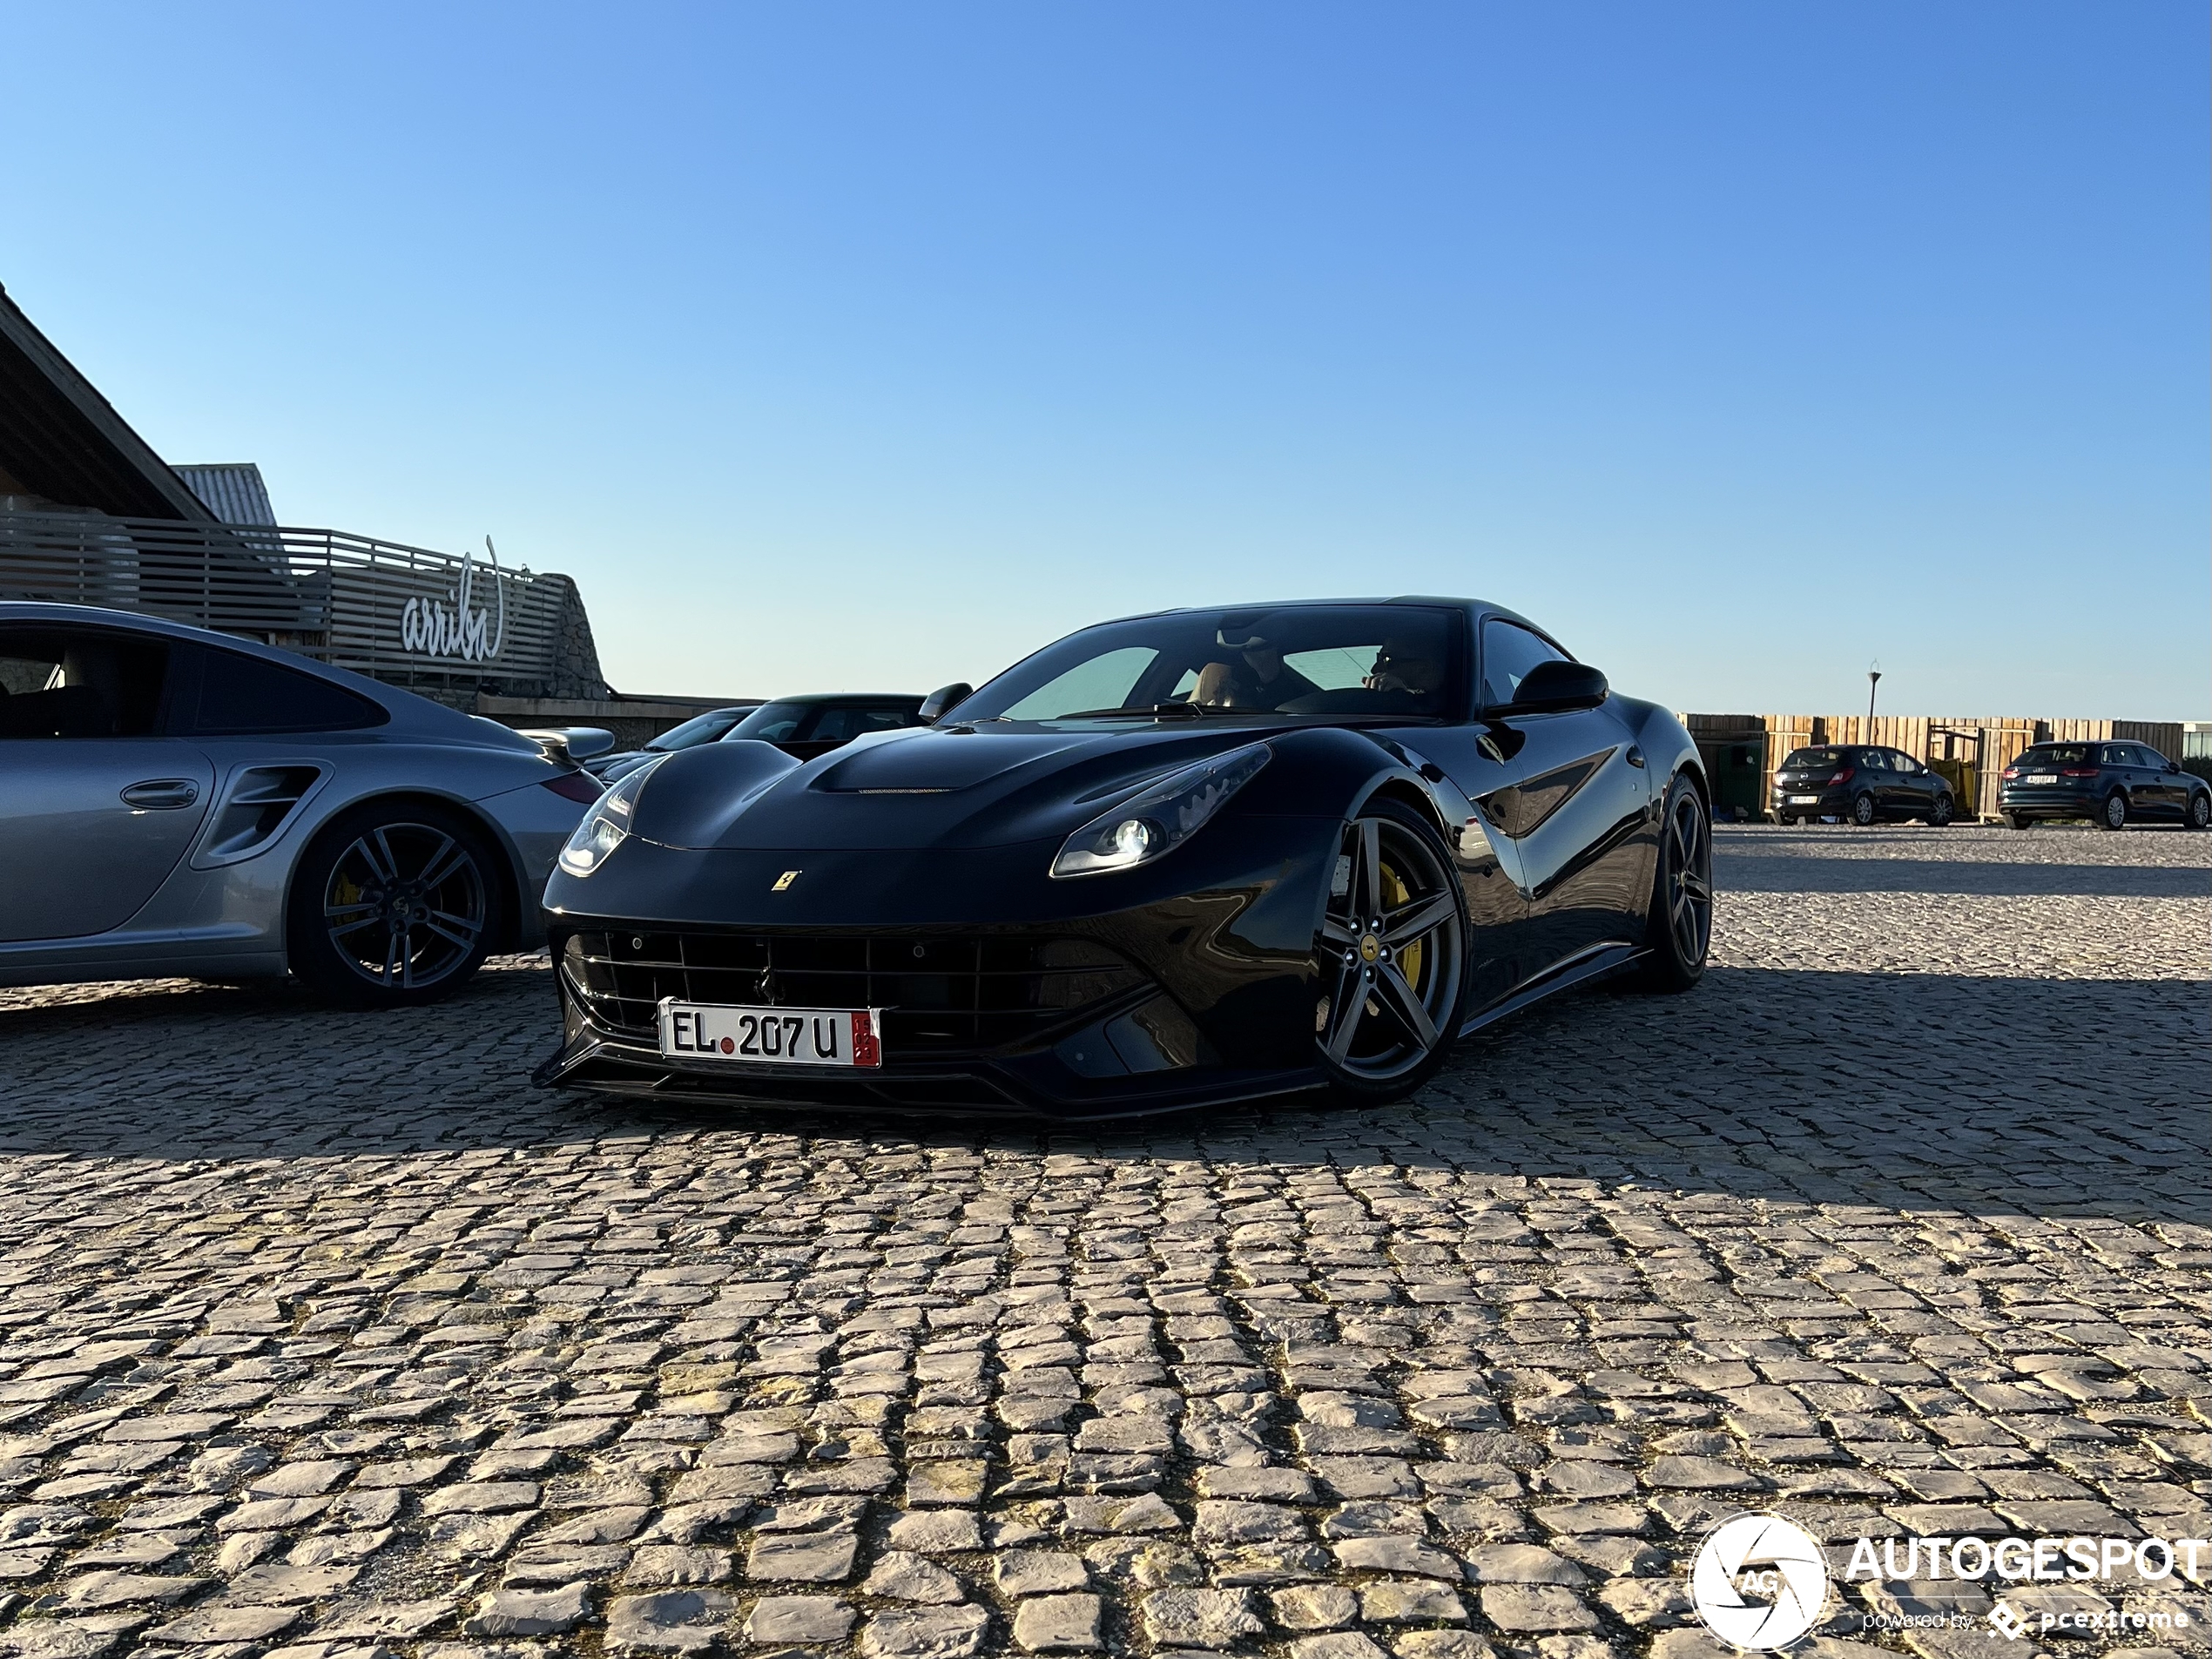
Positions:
(1758, 1581)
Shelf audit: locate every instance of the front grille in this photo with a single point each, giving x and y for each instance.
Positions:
(941, 995)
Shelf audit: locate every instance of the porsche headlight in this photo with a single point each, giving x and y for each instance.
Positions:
(1158, 820)
(605, 826)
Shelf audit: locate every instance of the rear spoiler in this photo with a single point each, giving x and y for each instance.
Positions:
(572, 743)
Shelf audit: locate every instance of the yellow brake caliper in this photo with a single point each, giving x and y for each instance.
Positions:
(1395, 893)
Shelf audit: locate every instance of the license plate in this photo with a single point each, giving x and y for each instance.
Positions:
(756, 1036)
(2040, 778)
(1804, 801)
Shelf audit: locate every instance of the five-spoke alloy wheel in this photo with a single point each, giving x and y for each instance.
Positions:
(1678, 930)
(1392, 955)
(392, 905)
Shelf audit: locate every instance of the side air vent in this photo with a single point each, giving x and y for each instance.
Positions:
(259, 804)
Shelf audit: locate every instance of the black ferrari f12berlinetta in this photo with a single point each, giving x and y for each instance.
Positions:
(1199, 856)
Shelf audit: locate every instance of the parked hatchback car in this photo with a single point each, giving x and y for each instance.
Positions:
(700, 728)
(804, 727)
(1861, 783)
(2113, 783)
(179, 802)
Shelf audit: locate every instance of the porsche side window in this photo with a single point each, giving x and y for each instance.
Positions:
(1101, 682)
(1509, 651)
(73, 682)
(241, 695)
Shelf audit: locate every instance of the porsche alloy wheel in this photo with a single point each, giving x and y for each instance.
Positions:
(392, 907)
(1391, 954)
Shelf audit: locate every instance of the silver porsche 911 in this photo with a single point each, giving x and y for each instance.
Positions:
(179, 802)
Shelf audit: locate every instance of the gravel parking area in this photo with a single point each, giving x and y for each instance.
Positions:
(330, 1336)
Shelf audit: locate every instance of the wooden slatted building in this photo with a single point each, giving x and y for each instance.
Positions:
(91, 515)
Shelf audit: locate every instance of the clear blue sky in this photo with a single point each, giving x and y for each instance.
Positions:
(847, 346)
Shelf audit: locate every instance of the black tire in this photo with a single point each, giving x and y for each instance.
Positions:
(2199, 815)
(1863, 810)
(1392, 994)
(2115, 815)
(393, 904)
(1939, 814)
(1678, 926)
(2018, 820)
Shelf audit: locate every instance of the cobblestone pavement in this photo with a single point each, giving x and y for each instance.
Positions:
(328, 1335)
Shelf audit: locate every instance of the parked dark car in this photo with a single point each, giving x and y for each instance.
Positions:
(700, 728)
(1861, 783)
(2114, 783)
(804, 727)
(1192, 857)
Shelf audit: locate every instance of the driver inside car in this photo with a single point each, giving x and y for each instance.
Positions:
(1398, 667)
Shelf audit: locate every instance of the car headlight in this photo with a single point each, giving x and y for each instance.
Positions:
(1158, 820)
(606, 827)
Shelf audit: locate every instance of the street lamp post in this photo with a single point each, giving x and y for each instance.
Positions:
(1873, 679)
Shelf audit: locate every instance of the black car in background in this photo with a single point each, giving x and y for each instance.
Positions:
(2111, 782)
(700, 728)
(1862, 783)
(804, 727)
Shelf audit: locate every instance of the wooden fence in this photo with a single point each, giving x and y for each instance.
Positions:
(435, 623)
(1972, 751)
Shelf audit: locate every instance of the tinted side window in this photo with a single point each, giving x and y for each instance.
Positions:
(240, 695)
(1508, 652)
(78, 683)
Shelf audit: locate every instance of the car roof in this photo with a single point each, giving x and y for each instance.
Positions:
(848, 696)
(409, 711)
(1477, 607)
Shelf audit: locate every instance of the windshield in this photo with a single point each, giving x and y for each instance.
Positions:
(1326, 662)
(700, 728)
(1812, 759)
(2060, 754)
(772, 722)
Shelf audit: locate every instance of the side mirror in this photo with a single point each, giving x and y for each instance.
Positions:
(2173, 765)
(1553, 687)
(944, 697)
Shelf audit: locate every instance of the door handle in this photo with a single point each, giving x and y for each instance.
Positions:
(160, 794)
